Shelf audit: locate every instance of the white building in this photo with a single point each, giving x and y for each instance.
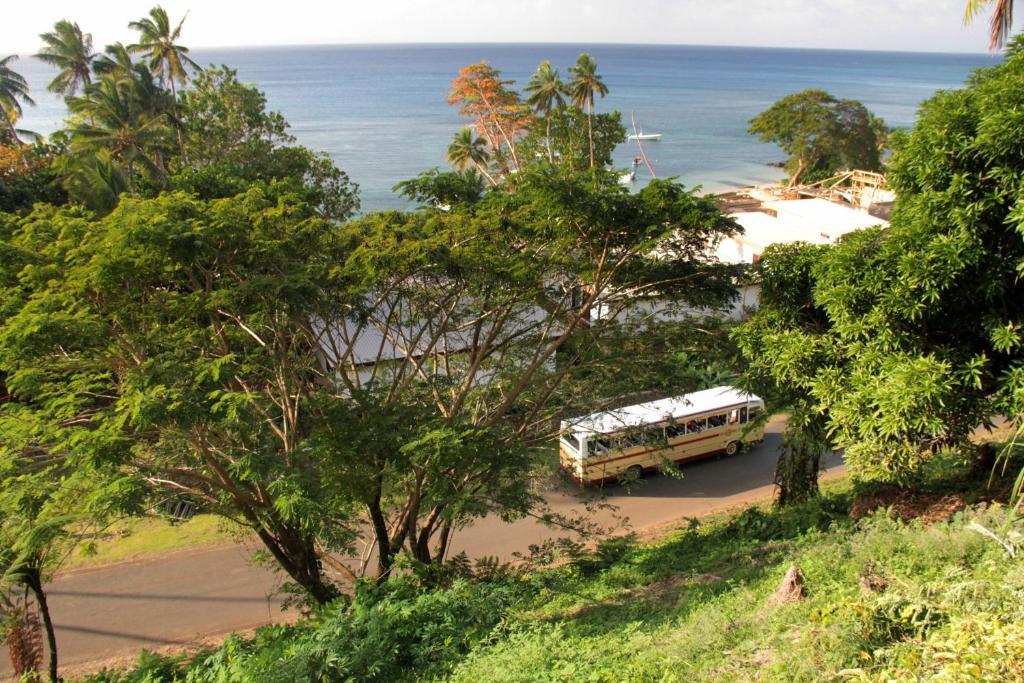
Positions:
(783, 221)
(816, 221)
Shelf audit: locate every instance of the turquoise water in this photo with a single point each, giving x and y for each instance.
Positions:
(380, 111)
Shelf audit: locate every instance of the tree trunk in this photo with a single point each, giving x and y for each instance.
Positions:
(298, 557)
(547, 140)
(177, 123)
(590, 130)
(35, 584)
(795, 178)
(796, 473)
(385, 558)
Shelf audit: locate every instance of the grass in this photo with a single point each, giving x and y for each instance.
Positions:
(139, 538)
(886, 600)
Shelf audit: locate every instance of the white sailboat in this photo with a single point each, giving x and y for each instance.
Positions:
(640, 135)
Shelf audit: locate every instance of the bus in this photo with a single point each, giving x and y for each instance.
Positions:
(631, 440)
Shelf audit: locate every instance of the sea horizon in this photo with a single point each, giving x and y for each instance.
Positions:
(995, 56)
(380, 111)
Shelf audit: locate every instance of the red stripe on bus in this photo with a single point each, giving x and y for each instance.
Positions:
(650, 450)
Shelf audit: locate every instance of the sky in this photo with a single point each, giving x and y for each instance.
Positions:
(913, 25)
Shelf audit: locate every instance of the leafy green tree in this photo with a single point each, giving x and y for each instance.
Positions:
(69, 50)
(14, 92)
(547, 93)
(569, 132)
(498, 358)
(49, 500)
(215, 405)
(436, 188)
(785, 348)
(821, 134)
(226, 121)
(583, 86)
(232, 141)
(906, 340)
(386, 380)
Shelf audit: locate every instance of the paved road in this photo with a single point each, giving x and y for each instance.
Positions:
(114, 611)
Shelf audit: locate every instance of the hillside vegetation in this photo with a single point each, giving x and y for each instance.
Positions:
(885, 599)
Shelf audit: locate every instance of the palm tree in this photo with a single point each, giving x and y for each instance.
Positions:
(121, 124)
(584, 85)
(467, 149)
(70, 50)
(93, 179)
(13, 93)
(1001, 22)
(547, 93)
(117, 63)
(167, 59)
(115, 60)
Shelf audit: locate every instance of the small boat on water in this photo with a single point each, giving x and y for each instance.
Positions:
(641, 135)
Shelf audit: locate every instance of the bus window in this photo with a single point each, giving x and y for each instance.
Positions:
(743, 414)
(631, 440)
(716, 421)
(654, 436)
(752, 413)
(674, 430)
(599, 445)
(571, 441)
(734, 417)
(696, 426)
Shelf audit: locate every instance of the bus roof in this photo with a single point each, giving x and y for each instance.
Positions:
(653, 412)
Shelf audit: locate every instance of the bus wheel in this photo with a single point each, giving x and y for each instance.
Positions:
(732, 448)
(632, 473)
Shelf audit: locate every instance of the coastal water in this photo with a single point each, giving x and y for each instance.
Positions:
(381, 111)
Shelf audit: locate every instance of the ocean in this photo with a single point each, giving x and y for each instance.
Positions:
(381, 111)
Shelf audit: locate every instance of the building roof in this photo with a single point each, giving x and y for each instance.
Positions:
(823, 216)
(815, 221)
(653, 412)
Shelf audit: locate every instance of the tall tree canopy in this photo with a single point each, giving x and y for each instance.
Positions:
(498, 113)
(584, 85)
(14, 93)
(384, 380)
(70, 51)
(821, 134)
(904, 340)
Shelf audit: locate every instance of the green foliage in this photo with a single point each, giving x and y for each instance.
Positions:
(27, 176)
(226, 121)
(213, 347)
(903, 341)
(69, 50)
(822, 134)
(886, 600)
(440, 189)
(570, 141)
